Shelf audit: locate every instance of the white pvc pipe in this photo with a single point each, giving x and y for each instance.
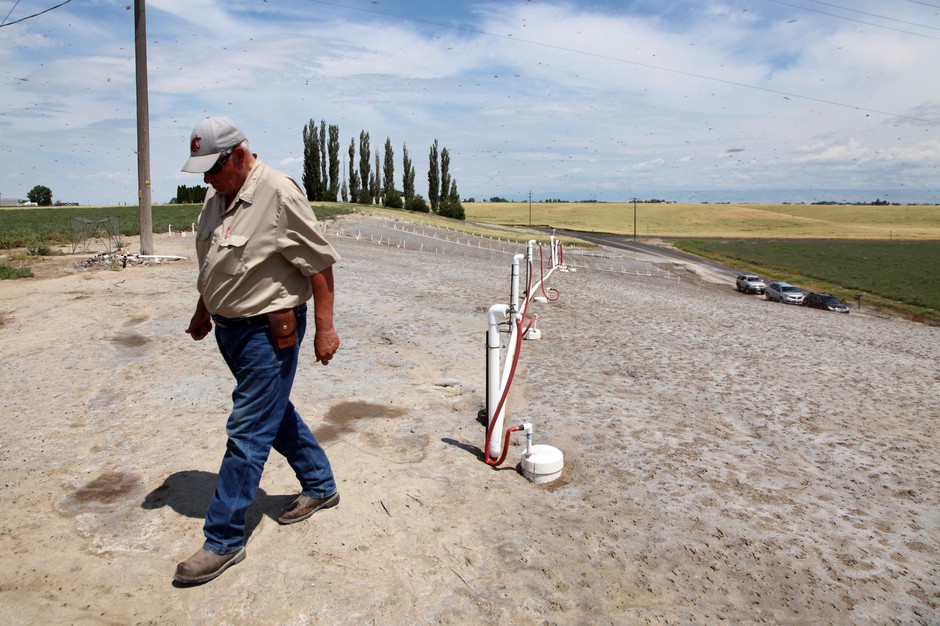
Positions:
(497, 313)
(530, 258)
(514, 286)
(496, 384)
(496, 440)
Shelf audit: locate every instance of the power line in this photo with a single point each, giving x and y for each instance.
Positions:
(12, 8)
(881, 17)
(849, 19)
(635, 63)
(29, 17)
(926, 4)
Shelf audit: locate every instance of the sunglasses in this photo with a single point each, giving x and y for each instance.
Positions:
(220, 164)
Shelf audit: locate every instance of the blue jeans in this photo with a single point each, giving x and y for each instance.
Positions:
(262, 417)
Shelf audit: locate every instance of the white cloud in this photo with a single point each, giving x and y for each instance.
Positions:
(560, 99)
(646, 165)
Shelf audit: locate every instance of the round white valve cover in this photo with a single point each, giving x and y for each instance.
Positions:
(543, 465)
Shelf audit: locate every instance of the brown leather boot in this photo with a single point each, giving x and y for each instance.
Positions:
(305, 506)
(205, 565)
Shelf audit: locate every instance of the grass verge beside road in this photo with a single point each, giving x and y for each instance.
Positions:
(899, 275)
(21, 227)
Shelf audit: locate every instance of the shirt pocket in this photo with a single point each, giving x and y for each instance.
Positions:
(230, 254)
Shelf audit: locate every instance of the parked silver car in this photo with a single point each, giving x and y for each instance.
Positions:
(749, 283)
(784, 292)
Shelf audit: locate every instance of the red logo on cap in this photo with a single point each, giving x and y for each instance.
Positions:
(194, 144)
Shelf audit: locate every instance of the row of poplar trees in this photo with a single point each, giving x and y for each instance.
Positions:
(190, 195)
(322, 171)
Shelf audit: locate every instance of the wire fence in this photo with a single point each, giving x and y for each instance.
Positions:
(439, 240)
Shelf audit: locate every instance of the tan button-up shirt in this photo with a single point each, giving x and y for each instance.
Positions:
(258, 255)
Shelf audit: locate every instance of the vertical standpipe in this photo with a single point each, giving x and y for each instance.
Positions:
(514, 282)
(498, 313)
(530, 259)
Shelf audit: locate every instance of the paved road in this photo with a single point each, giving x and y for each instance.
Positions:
(709, 270)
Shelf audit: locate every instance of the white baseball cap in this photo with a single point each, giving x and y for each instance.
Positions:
(211, 137)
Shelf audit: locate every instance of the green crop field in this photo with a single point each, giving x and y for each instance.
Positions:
(904, 274)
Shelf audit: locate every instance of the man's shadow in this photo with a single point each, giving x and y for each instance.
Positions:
(189, 492)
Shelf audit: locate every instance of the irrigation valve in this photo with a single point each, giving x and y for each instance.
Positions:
(533, 333)
(527, 428)
(541, 463)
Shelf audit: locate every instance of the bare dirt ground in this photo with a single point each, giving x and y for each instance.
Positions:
(726, 458)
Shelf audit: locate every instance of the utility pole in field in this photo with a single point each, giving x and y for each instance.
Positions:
(143, 129)
(634, 219)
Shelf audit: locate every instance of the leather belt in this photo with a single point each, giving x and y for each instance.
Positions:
(254, 320)
(229, 322)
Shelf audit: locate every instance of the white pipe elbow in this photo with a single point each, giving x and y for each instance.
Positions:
(496, 314)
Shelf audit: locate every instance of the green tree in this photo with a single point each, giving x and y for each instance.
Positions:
(365, 168)
(445, 174)
(388, 173)
(353, 174)
(375, 181)
(450, 204)
(311, 173)
(190, 195)
(393, 199)
(408, 178)
(333, 150)
(324, 160)
(41, 195)
(434, 177)
(417, 204)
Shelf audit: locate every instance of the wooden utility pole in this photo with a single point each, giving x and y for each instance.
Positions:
(143, 129)
(634, 219)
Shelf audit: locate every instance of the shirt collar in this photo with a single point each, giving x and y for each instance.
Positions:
(247, 192)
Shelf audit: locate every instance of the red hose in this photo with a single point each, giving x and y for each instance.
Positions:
(502, 401)
(502, 457)
(542, 284)
(512, 372)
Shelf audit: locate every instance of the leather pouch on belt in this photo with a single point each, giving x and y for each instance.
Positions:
(283, 325)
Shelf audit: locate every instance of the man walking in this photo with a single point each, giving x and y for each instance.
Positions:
(261, 257)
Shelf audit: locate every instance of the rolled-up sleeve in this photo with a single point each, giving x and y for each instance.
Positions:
(301, 239)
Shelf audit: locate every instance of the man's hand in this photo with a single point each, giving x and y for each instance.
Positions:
(325, 345)
(201, 323)
(326, 341)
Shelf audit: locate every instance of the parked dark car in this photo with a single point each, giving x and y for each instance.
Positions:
(825, 301)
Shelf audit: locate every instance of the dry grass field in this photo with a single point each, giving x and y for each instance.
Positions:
(789, 221)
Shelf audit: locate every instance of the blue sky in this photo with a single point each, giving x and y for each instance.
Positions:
(750, 100)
